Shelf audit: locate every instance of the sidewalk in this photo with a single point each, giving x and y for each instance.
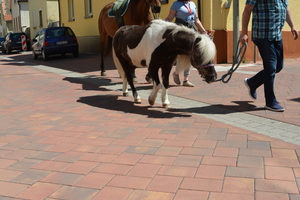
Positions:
(71, 135)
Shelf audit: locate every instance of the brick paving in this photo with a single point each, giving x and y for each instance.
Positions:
(63, 137)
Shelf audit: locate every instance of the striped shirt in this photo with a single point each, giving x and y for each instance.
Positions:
(268, 18)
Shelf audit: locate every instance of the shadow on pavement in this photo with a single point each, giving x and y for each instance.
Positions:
(243, 106)
(296, 99)
(105, 101)
(94, 82)
(82, 64)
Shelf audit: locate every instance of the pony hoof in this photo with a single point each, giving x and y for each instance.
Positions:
(103, 74)
(125, 94)
(151, 102)
(138, 101)
(134, 80)
(167, 106)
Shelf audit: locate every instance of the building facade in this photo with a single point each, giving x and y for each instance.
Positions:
(216, 15)
(82, 16)
(6, 17)
(42, 14)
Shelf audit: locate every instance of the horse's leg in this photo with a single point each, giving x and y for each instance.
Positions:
(148, 77)
(128, 71)
(165, 85)
(121, 73)
(156, 85)
(104, 38)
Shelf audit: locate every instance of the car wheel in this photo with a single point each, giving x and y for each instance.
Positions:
(34, 55)
(8, 50)
(76, 53)
(45, 56)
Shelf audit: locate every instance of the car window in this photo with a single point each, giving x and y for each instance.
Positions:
(16, 36)
(42, 35)
(68, 32)
(59, 32)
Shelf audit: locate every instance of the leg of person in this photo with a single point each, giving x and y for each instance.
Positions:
(271, 53)
(176, 76)
(186, 81)
(258, 79)
(182, 63)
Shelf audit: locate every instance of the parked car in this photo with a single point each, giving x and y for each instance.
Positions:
(12, 41)
(1, 40)
(54, 40)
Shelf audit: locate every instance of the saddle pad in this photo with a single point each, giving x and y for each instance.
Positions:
(119, 8)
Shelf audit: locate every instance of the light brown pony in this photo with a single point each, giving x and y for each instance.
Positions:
(138, 13)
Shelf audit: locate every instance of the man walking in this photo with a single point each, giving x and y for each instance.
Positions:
(268, 18)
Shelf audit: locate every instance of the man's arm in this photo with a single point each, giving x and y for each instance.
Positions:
(245, 22)
(291, 24)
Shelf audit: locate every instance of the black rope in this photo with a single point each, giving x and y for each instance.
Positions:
(237, 60)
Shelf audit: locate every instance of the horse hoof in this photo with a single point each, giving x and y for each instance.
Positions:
(125, 94)
(134, 80)
(103, 74)
(167, 106)
(151, 102)
(138, 101)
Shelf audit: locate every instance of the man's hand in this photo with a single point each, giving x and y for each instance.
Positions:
(295, 33)
(243, 38)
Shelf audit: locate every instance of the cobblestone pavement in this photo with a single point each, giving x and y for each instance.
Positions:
(66, 133)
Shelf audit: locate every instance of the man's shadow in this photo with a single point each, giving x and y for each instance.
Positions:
(242, 106)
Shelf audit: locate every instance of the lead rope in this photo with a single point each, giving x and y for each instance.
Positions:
(237, 60)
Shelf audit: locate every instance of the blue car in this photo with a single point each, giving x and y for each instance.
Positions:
(13, 42)
(1, 41)
(54, 40)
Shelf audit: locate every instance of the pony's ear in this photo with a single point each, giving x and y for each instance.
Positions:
(198, 39)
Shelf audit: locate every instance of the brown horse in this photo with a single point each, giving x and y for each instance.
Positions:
(138, 13)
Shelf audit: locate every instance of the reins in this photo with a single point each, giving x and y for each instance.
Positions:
(237, 60)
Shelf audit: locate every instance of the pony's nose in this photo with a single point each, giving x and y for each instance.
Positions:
(212, 78)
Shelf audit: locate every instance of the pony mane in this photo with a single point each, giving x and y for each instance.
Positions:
(175, 28)
(207, 47)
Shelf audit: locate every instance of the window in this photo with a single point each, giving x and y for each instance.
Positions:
(71, 10)
(33, 19)
(88, 8)
(41, 18)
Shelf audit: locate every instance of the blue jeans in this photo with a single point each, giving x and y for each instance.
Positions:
(272, 57)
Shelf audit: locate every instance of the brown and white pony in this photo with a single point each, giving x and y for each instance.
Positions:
(156, 46)
(137, 13)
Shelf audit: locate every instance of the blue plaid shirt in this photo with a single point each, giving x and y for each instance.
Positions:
(268, 18)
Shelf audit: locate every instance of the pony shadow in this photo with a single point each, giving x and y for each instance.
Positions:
(91, 82)
(243, 106)
(94, 83)
(111, 102)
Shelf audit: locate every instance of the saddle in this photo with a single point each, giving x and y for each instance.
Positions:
(118, 10)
